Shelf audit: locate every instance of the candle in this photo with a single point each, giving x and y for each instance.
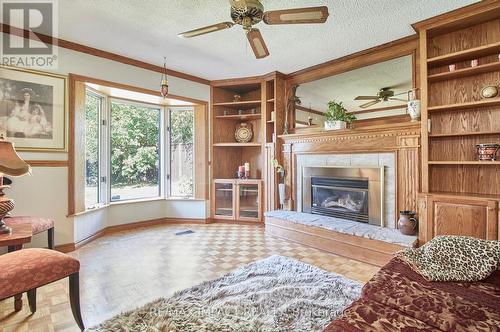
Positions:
(241, 169)
(247, 167)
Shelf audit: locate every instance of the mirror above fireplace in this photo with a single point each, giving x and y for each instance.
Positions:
(373, 91)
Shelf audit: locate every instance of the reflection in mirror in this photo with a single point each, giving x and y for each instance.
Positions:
(374, 91)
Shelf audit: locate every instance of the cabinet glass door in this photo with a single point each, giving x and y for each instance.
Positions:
(249, 201)
(224, 199)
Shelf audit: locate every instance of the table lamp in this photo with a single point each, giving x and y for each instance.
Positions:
(10, 164)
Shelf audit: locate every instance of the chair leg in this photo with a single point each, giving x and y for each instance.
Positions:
(18, 302)
(50, 235)
(74, 298)
(32, 300)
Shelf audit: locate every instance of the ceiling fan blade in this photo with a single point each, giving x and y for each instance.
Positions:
(207, 29)
(365, 97)
(297, 16)
(371, 103)
(399, 99)
(258, 44)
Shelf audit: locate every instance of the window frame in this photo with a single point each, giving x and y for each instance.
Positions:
(168, 152)
(101, 190)
(105, 150)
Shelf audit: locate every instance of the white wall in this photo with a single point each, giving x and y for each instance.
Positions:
(46, 194)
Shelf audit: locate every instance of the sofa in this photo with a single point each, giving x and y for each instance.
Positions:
(399, 299)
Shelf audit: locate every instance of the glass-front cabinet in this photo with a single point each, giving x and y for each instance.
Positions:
(248, 204)
(237, 200)
(224, 199)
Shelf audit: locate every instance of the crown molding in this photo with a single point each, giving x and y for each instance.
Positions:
(99, 53)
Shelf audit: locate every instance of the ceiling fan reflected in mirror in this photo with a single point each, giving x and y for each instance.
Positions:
(384, 94)
(248, 13)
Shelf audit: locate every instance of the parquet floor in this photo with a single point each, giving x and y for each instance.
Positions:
(122, 271)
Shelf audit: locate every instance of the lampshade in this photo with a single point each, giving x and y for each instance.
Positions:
(10, 162)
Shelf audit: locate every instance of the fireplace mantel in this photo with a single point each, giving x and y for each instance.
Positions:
(403, 139)
(379, 138)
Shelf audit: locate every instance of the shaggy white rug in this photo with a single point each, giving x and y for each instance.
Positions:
(274, 294)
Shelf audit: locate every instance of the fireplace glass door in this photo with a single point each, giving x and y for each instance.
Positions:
(342, 198)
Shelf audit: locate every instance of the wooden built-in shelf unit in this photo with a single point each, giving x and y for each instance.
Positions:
(455, 118)
(260, 97)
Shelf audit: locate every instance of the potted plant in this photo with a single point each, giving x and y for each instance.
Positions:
(281, 182)
(337, 116)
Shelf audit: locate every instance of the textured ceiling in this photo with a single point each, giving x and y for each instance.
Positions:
(147, 30)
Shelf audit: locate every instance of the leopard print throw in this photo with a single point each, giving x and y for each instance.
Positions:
(454, 258)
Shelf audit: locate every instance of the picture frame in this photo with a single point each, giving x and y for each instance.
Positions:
(34, 109)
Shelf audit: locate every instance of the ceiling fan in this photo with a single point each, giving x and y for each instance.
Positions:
(248, 13)
(384, 94)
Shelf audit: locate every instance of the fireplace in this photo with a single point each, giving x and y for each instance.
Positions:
(339, 197)
(351, 193)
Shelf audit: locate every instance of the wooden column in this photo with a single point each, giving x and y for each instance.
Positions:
(408, 172)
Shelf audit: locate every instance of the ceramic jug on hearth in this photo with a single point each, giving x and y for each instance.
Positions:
(407, 223)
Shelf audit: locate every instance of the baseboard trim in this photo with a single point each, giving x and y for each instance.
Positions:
(65, 248)
(69, 247)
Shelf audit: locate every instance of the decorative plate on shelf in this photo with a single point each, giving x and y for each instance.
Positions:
(243, 133)
(489, 91)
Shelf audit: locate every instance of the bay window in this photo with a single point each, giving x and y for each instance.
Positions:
(137, 150)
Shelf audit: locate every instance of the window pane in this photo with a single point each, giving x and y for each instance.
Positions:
(181, 152)
(135, 151)
(92, 110)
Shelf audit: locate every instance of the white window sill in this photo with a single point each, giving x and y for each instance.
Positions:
(187, 199)
(135, 201)
(91, 210)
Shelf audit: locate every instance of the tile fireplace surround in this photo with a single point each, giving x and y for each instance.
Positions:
(386, 160)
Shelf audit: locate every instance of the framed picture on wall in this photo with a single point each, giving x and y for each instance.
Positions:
(33, 107)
